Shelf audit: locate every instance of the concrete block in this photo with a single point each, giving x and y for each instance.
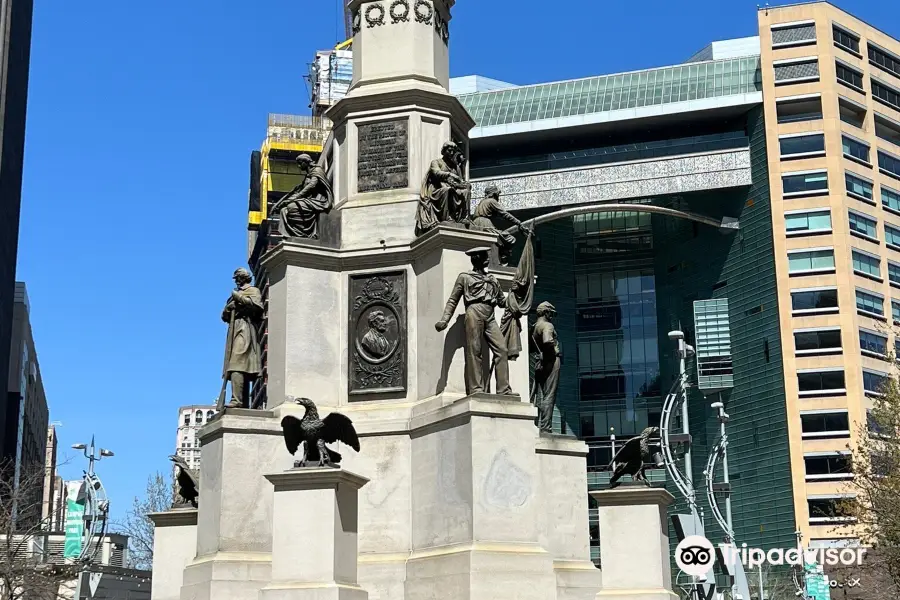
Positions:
(174, 547)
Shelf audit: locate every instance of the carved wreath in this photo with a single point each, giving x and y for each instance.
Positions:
(383, 375)
(375, 15)
(440, 25)
(384, 292)
(424, 11)
(399, 11)
(357, 22)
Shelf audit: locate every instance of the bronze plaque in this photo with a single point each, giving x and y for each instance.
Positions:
(383, 156)
(377, 344)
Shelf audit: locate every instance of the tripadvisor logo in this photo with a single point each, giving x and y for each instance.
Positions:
(695, 556)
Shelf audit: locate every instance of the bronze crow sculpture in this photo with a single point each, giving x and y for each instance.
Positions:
(314, 433)
(632, 458)
(187, 484)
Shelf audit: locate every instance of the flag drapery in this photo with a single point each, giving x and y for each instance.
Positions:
(519, 300)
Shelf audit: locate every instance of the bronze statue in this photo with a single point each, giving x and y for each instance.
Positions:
(300, 208)
(314, 433)
(243, 312)
(187, 488)
(480, 293)
(445, 191)
(484, 215)
(633, 458)
(546, 373)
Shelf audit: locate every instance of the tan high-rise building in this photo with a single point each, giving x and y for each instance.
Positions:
(831, 89)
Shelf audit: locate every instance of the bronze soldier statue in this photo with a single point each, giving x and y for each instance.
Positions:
(480, 293)
(484, 215)
(300, 208)
(445, 191)
(243, 312)
(546, 373)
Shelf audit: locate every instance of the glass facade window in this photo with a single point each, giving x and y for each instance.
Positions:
(852, 112)
(855, 149)
(802, 145)
(808, 222)
(812, 383)
(886, 94)
(811, 261)
(827, 466)
(592, 95)
(869, 303)
(889, 164)
(823, 340)
(814, 300)
(795, 35)
(895, 311)
(863, 225)
(845, 39)
(800, 109)
(887, 129)
(858, 187)
(873, 383)
(884, 59)
(826, 424)
(872, 343)
(892, 236)
(849, 76)
(796, 71)
(805, 183)
(866, 264)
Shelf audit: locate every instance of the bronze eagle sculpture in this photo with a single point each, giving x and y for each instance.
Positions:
(314, 433)
(633, 458)
(187, 484)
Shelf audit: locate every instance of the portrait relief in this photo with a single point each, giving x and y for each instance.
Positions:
(377, 333)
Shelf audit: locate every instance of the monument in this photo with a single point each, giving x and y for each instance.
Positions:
(454, 494)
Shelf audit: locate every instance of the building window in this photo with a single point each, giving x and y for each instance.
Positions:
(887, 129)
(805, 145)
(797, 223)
(800, 108)
(864, 226)
(872, 344)
(889, 164)
(866, 264)
(793, 35)
(811, 261)
(890, 200)
(796, 70)
(886, 94)
(187, 418)
(198, 417)
(797, 184)
(852, 112)
(874, 382)
(817, 341)
(832, 465)
(895, 312)
(857, 187)
(814, 301)
(892, 236)
(849, 76)
(825, 382)
(209, 415)
(884, 59)
(894, 273)
(855, 149)
(825, 424)
(869, 304)
(846, 40)
(828, 509)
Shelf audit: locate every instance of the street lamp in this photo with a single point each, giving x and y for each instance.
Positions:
(90, 453)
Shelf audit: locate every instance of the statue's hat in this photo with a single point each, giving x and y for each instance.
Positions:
(478, 250)
(545, 307)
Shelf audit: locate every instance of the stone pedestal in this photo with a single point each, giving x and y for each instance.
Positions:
(234, 524)
(634, 543)
(174, 547)
(314, 543)
(562, 529)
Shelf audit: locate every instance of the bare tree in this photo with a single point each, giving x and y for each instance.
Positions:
(138, 527)
(24, 570)
(875, 509)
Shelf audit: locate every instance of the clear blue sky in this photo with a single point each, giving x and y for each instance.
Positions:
(141, 119)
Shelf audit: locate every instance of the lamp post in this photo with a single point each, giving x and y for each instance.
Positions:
(92, 496)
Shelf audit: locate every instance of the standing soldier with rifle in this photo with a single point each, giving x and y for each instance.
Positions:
(243, 312)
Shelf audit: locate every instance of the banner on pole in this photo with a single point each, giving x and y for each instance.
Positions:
(74, 521)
